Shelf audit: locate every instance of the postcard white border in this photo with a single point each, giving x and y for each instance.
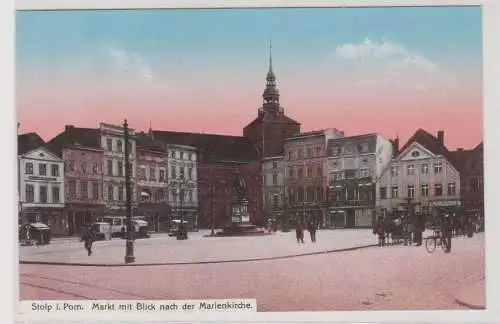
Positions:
(491, 70)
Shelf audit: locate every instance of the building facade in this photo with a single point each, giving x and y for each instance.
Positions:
(82, 154)
(183, 183)
(424, 174)
(471, 168)
(305, 176)
(41, 183)
(112, 143)
(273, 187)
(152, 182)
(355, 165)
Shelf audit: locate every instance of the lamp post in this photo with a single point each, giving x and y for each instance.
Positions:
(129, 252)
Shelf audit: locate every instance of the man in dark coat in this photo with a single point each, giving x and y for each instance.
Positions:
(312, 230)
(299, 232)
(88, 237)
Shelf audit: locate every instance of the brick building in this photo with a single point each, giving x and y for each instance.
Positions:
(83, 157)
(470, 164)
(273, 186)
(305, 176)
(152, 182)
(271, 127)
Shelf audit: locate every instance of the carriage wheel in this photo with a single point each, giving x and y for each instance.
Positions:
(430, 244)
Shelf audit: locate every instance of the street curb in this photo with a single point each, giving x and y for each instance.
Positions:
(198, 262)
(468, 304)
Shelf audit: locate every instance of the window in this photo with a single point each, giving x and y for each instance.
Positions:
(411, 191)
(415, 153)
(84, 167)
(190, 173)
(29, 168)
(152, 174)
(95, 168)
(300, 173)
(54, 170)
(120, 193)
(424, 168)
(410, 170)
(162, 175)
(438, 166)
(275, 165)
(350, 174)
(173, 172)
(182, 156)
(264, 180)
(30, 193)
(84, 190)
(290, 155)
(364, 173)
(364, 147)
(318, 150)
(310, 194)
(290, 172)
(394, 192)
(131, 169)
(438, 190)
(72, 189)
(309, 151)
(319, 171)
(191, 157)
(301, 153)
(383, 192)
(337, 176)
(142, 173)
(319, 194)
(451, 189)
(300, 194)
(56, 192)
(394, 172)
(190, 195)
(95, 190)
(275, 179)
(181, 172)
(119, 146)
(110, 192)
(109, 144)
(42, 169)
(425, 190)
(309, 172)
(110, 167)
(71, 165)
(120, 168)
(43, 194)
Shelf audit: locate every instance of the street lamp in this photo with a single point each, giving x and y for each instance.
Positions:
(129, 252)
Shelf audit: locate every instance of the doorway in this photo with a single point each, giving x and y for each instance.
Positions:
(350, 219)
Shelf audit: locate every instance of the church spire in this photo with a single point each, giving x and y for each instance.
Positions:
(271, 94)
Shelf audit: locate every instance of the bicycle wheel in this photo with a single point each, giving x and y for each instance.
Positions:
(430, 244)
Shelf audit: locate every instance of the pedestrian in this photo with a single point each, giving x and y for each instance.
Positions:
(312, 230)
(88, 238)
(447, 230)
(381, 231)
(299, 232)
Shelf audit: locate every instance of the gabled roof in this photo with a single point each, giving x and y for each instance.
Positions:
(465, 158)
(85, 137)
(431, 143)
(213, 147)
(28, 142)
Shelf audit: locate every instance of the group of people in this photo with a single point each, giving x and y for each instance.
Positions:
(402, 228)
(299, 231)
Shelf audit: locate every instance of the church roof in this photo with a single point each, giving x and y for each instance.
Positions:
(273, 118)
(213, 147)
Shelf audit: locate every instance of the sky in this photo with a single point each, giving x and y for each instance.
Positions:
(360, 70)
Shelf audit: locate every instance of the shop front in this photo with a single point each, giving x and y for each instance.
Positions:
(157, 215)
(77, 216)
(51, 216)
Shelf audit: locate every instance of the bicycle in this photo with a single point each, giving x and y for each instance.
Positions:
(437, 239)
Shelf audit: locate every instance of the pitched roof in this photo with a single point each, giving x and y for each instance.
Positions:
(272, 117)
(465, 158)
(28, 142)
(147, 142)
(213, 147)
(431, 143)
(86, 137)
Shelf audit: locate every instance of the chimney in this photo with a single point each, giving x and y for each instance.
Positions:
(395, 146)
(69, 127)
(460, 149)
(441, 137)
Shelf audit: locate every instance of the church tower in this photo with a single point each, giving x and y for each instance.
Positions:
(271, 127)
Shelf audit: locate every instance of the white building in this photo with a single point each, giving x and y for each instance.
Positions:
(182, 181)
(355, 164)
(273, 185)
(423, 172)
(41, 183)
(112, 141)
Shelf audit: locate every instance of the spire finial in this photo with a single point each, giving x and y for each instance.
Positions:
(270, 55)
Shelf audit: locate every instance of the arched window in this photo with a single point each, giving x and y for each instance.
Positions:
(300, 197)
